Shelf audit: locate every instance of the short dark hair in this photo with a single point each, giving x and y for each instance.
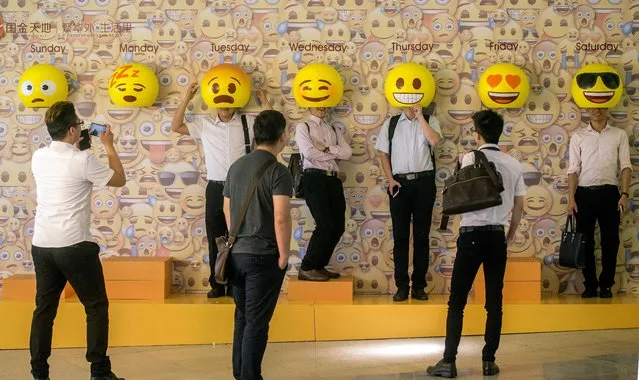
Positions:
(59, 118)
(268, 127)
(489, 124)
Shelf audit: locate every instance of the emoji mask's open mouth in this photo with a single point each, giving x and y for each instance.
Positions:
(320, 99)
(407, 98)
(130, 98)
(37, 100)
(503, 97)
(223, 99)
(599, 96)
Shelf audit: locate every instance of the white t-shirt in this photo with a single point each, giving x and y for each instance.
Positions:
(223, 142)
(65, 177)
(510, 170)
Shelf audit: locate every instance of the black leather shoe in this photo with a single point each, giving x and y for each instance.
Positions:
(443, 369)
(110, 376)
(605, 293)
(589, 293)
(311, 275)
(419, 294)
(218, 292)
(329, 273)
(401, 295)
(490, 368)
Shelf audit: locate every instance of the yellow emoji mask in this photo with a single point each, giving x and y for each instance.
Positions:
(318, 85)
(42, 85)
(226, 86)
(503, 85)
(133, 85)
(596, 86)
(409, 84)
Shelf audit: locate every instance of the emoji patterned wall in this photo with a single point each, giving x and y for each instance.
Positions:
(160, 210)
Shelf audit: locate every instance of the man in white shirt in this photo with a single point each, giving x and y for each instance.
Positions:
(226, 137)
(482, 241)
(406, 143)
(322, 145)
(63, 249)
(597, 154)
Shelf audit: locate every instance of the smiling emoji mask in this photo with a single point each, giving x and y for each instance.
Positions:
(133, 85)
(42, 85)
(318, 85)
(503, 85)
(409, 84)
(226, 86)
(596, 86)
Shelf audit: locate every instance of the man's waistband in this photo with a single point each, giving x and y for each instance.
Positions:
(414, 176)
(217, 182)
(329, 173)
(598, 187)
(489, 228)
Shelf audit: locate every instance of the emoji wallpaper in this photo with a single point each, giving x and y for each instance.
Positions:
(161, 209)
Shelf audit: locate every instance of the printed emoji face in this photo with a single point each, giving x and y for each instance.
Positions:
(133, 85)
(459, 107)
(42, 85)
(367, 110)
(166, 212)
(537, 201)
(104, 204)
(503, 85)
(192, 200)
(553, 141)
(226, 86)
(542, 109)
(409, 84)
(597, 86)
(318, 85)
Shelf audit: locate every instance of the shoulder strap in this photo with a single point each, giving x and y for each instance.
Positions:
(391, 132)
(247, 139)
(483, 161)
(247, 201)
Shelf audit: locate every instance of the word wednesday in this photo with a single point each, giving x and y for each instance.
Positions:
(316, 47)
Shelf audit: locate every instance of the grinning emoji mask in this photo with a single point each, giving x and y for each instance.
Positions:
(133, 85)
(42, 85)
(226, 86)
(503, 85)
(596, 86)
(409, 84)
(318, 85)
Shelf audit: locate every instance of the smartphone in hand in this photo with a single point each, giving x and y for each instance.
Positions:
(96, 129)
(85, 142)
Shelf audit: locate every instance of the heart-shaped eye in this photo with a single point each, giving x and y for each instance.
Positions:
(494, 80)
(513, 81)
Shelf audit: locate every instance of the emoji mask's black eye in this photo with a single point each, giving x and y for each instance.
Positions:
(232, 88)
(417, 84)
(216, 88)
(400, 83)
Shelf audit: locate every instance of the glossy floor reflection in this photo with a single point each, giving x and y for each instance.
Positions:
(587, 355)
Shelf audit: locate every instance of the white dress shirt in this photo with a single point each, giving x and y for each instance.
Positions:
(598, 158)
(510, 170)
(320, 131)
(223, 142)
(64, 178)
(411, 149)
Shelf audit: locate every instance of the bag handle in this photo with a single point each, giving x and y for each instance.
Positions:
(483, 161)
(570, 224)
(247, 202)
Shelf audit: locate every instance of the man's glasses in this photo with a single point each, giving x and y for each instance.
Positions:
(80, 123)
(587, 81)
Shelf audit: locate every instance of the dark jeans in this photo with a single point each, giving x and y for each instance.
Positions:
(415, 200)
(215, 222)
(599, 205)
(257, 280)
(80, 265)
(325, 199)
(474, 249)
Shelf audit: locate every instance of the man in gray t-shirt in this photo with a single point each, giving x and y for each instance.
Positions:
(259, 256)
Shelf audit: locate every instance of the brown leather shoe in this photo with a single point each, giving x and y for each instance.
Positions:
(311, 275)
(328, 273)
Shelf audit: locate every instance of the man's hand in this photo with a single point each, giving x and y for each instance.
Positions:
(191, 91)
(319, 146)
(623, 204)
(261, 96)
(510, 238)
(393, 187)
(418, 112)
(107, 137)
(572, 206)
(282, 262)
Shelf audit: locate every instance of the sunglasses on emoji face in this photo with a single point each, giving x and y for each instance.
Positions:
(586, 81)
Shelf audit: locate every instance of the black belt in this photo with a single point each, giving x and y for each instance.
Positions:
(493, 228)
(414, 176)
(218, 182)
(330, 173)
(598, 187)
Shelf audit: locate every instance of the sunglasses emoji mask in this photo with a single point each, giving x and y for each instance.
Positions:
(318, 85)
(226, 86)
(597, 86)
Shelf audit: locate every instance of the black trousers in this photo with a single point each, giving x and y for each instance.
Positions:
(325, 199)
(599, 205)
(473, 249)
(257, 280)
(80, 265)
(215, 222)
(415, 200)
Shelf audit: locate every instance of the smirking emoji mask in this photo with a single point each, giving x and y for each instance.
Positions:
(318, 85)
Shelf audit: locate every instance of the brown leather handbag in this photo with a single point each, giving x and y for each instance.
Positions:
(225, 244)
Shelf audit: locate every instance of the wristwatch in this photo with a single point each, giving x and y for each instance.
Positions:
(626, 194)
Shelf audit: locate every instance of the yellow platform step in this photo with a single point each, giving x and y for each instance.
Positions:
(22, 287)
(337, 290)
(521, 281)
(138, 278)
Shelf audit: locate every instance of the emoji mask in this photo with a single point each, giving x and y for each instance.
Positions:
(409, 84)
(503, 85)
(226, 86)
(596, 86)
(318, 85)
(133, 85)
(42, 85)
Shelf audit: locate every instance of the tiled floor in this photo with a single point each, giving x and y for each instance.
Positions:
(588, 355)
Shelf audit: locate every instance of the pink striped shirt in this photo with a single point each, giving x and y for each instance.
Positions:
(321, 132)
